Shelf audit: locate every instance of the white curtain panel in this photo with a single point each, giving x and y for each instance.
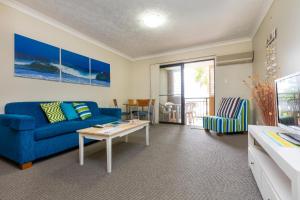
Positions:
(154, 88)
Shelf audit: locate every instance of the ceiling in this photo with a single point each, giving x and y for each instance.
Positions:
(190, 23)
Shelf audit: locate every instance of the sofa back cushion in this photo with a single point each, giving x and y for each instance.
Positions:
(34, 109)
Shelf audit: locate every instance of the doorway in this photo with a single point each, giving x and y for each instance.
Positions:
(186, 92)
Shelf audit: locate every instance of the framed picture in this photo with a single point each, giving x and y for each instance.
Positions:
(100, 73)
(75, 68)
(34, 59)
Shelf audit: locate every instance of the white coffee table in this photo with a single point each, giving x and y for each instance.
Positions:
(108, 133)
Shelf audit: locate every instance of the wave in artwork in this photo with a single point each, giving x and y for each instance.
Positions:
(74, 68)
(35, 59)
(100, 73)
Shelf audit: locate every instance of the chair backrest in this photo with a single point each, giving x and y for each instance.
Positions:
(143, 102)
(115, 103)
(228, 107)
(131, 102)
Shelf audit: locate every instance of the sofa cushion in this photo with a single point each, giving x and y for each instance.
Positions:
(69, 111)
(101, 119)
(53, 112)
(60, 128)
(83, 110)
(34, 109)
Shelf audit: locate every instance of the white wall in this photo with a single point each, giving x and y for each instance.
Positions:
(229, 81)
(140, 82)
(24, 89)
(284, 16)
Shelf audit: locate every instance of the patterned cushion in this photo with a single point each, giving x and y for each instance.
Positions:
(228, 107)
(83, 110)
(53, 112)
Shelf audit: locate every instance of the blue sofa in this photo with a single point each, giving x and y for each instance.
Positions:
(26, 134)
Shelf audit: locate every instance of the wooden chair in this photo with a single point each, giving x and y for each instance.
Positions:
(122, 113)
(141, 111)
(115, 103)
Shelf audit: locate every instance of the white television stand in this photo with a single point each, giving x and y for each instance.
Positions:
(276, 169)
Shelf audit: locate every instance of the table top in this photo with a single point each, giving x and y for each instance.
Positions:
(288, 157)
(110, 129)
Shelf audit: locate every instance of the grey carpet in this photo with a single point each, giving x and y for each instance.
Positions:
(180, 163)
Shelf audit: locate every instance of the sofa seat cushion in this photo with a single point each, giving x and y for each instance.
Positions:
(101, 119)
(60, 128)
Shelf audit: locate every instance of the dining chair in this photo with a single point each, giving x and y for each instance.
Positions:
(131, 107)
(143, 108)
(115, 102)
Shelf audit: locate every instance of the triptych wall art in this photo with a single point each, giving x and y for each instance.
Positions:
(34, 59)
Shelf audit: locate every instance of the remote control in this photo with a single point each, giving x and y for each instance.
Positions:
(293, 135)
(98, 126)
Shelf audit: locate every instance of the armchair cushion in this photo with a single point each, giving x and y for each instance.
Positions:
(18, 122)
(228, 107)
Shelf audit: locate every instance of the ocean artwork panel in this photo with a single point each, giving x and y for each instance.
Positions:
(34, 59)
(100, 73)
(75, 68)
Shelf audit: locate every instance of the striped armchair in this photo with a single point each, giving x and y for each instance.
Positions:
(239, 123)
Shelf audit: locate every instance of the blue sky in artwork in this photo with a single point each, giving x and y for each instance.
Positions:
(74, 60)
(29, 49)
(99, 66)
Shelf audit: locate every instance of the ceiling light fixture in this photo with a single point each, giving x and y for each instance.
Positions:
(153, 19)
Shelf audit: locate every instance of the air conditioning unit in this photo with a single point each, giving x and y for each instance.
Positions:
(233, 59)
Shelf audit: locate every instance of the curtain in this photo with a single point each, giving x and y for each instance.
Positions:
(154, 89)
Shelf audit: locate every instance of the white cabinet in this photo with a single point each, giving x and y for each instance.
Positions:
(268, 191)
(276, 169)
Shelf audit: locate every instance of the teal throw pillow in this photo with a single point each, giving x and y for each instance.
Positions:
(69, 111)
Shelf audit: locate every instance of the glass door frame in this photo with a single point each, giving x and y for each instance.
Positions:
(182, 110)
(181, 64)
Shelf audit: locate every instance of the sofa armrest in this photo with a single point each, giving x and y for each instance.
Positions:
(116, 112)
(17, 122)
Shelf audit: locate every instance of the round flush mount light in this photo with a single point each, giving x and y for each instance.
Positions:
(152, 19)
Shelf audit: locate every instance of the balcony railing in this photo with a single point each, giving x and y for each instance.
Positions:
(195, 110)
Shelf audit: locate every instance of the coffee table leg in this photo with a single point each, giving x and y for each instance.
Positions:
(81, 149)
(147, 135)
(126, 138)
(108, 154)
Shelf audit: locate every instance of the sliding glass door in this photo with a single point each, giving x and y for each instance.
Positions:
(186, 92)
(198, 91)
(171, 90)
